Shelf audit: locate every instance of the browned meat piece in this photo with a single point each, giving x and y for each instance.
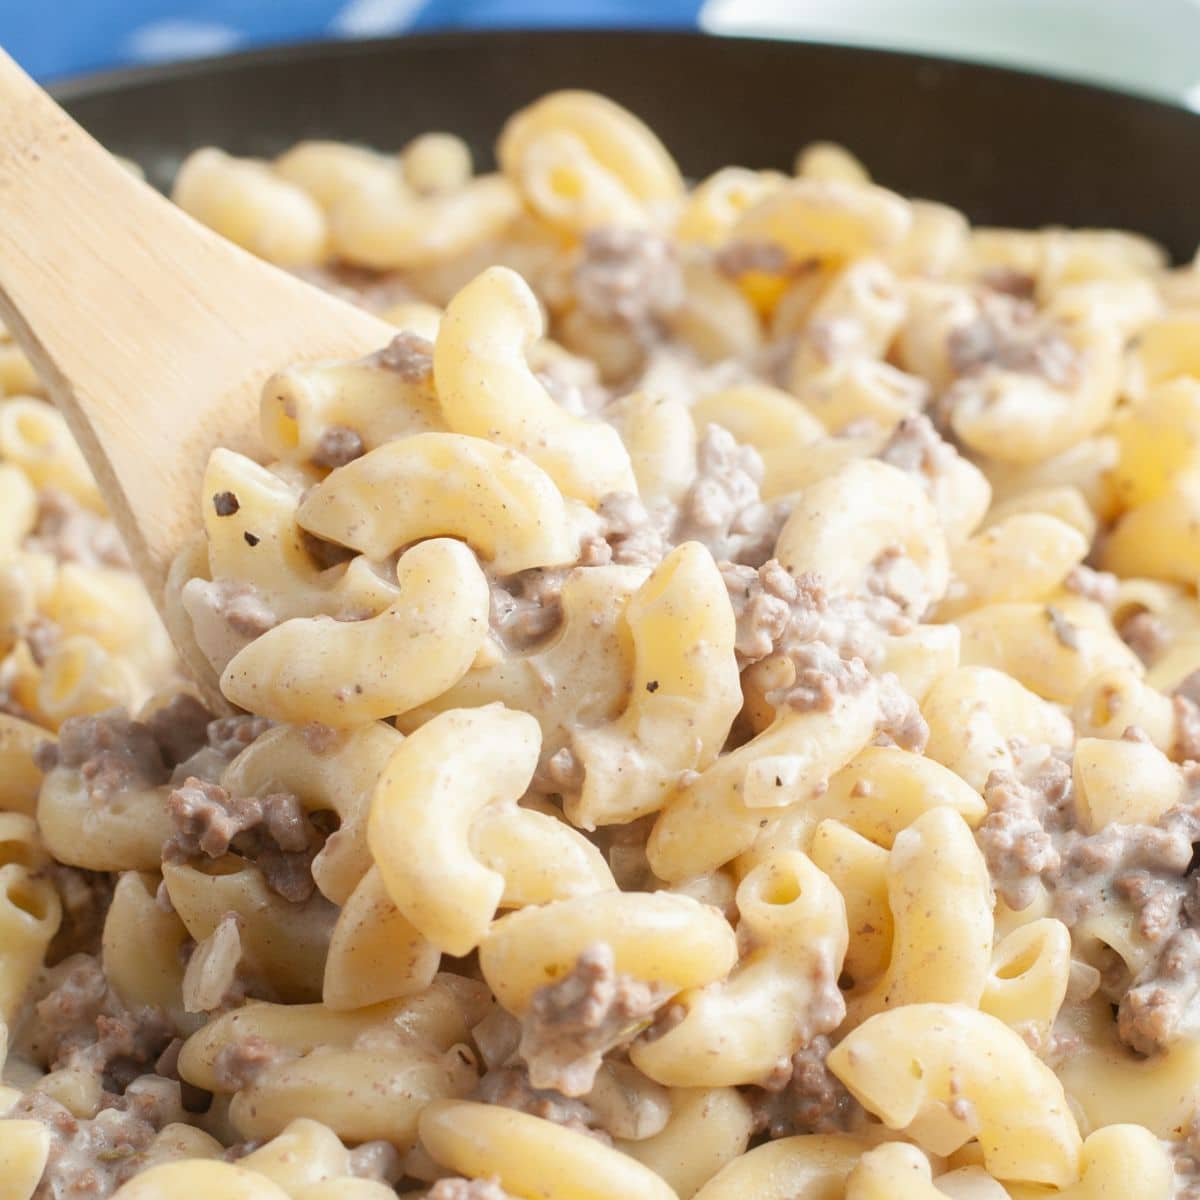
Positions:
(85, 897)
(1151, 1010)
(526, 608)
(229, 736)
(207, 819)
(573, 1023)
(273, 831)
(409, 355)
(821, 676)
(319, 738)
(762, 602)
(723, 508)
(243, 607)
(1143, 865)
(1009, 334)
(1145, 634)
(72, 533)
(630, 277)
(180, 728)
(1014, 836)
(804, 1097)
(900, 719)
(111, 752)
(81, 1022)
(337, 446)
(88, 1160)
(632, 534)
(509, 1087)
(239, 1064)
(916, 446)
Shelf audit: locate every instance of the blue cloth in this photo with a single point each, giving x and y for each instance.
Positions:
(65, 37)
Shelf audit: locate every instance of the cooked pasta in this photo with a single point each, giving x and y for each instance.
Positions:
(714, 709)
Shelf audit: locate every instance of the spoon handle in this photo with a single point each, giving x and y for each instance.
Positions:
(129, 312)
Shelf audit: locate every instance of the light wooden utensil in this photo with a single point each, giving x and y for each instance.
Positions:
(152, 334)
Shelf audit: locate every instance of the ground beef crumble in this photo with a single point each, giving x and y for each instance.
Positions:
(509, 1087)
(629, 277)
(1006, 334)
(409, 355)
(820, 676)
(70, 532)
(763, 600)
(854, 626)
(1023, 806)
(917, 448)
(1009, 334)
(526, 608)
(239, 1063)
(90, 1159)
(180, 727)
(337, 446)
(85, 897)
(1029, 840)
(229, 736)
(81, 1022)
(630, 534)
(111, 752)
(1145, 634)
(804, 1097)
(1153, 1008)
(723, 508)
(320, 738)
(114, 754)
(273, 831)
(573, 1023)
(900, 721)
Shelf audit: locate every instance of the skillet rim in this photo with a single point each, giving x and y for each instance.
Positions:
(1006, 146)
(69, 88)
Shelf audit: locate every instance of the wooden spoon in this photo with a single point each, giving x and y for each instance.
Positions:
(152, 334)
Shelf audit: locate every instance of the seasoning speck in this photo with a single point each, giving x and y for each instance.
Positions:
(225, 504)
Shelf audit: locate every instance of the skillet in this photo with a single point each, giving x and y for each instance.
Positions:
(1004, 146)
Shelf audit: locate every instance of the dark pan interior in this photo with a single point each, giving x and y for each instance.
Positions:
(1005, 147)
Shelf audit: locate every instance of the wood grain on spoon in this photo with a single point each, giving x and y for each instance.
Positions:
(152, 334)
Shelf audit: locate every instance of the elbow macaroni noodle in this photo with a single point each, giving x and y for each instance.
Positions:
(681, 741)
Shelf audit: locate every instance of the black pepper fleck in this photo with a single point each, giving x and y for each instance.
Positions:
(251, 539)
(652, 686)
(225, 504)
